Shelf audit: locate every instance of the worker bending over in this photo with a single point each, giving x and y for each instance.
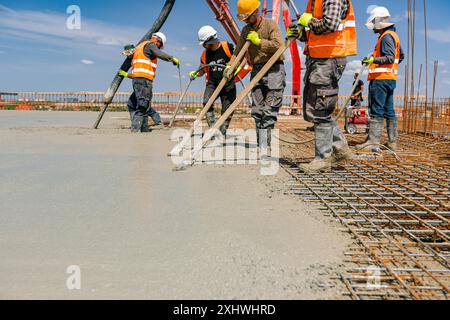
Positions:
(144, 62)
(219, 53)
(383, 72)
(330, 39)
(266, 38)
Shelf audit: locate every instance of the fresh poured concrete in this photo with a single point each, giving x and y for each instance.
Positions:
(108, 202)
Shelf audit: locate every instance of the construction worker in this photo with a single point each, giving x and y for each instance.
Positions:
(357, 95)
(219, 53)
(144, 61)
(383, 72)
(266, 38)
(330, 38)
(356, 100)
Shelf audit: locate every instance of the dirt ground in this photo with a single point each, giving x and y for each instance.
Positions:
(108, 202)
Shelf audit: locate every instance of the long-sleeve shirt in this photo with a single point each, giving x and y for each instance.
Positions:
(271, 40)
(334, 11)
(388, 50)
(152, 51)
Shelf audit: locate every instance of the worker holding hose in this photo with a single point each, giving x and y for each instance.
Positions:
(383, 72)
(144, 64)
(330, 37)
(266, 38)
(217, 54)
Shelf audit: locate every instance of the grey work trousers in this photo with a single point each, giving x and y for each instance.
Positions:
(268, 95)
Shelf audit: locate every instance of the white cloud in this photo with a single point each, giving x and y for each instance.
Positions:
(353, 67)
(87, 62)
(440, 35)
(50, 28)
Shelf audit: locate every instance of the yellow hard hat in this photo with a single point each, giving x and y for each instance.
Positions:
(246, 8)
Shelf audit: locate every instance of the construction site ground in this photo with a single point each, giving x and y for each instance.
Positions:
(108, 202)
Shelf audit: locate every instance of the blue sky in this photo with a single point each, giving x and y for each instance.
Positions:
(38, 52)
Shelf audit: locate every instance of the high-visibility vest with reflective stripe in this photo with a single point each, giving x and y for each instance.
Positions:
(142, 66)
(226, 48)
(385, 71)
(341, 43)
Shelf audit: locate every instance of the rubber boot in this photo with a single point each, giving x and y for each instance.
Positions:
(324, 150)
(211, 119)
(136, 124)
(376, 127)
(392, 129)
(224, 128)
(341, 150)
(145, 125)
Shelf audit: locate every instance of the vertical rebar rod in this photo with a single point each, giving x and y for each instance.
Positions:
(408, 64)
(416, 111)
(436, 66)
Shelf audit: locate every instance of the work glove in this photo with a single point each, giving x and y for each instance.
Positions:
(305, 19)
(368, 61)
(294, 32)
(238, 70)
(123, 74)
(227, 72)
(176, 61)
(193, 75)
(253, 37)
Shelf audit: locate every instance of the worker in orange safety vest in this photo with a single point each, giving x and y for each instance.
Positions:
(383, 73)
(328, 29)
(219, 53)
(144, 63)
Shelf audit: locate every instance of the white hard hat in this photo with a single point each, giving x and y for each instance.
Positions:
(161, 36)
(378, 18)
(207, 35)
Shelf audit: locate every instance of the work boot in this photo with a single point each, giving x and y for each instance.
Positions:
(136, 124)
(211, 119)
(341, 155)
(376, 127)
(145, 125)
(324, 150)
(224, 128)
(392, 129)
(341, 151)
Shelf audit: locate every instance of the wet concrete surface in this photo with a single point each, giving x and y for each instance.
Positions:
(108, 202)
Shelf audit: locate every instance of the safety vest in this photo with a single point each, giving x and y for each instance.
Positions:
(341, 43)
(142, 66)
(227, 50)
(385, 71)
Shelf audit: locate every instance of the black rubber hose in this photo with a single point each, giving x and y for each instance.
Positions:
(114, 87)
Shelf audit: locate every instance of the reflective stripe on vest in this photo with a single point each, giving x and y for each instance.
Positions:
(341, 43)
(385, 71)
(226, 48)
(142, 66)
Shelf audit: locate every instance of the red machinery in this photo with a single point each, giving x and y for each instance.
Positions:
(222, 11)
(357, 119)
